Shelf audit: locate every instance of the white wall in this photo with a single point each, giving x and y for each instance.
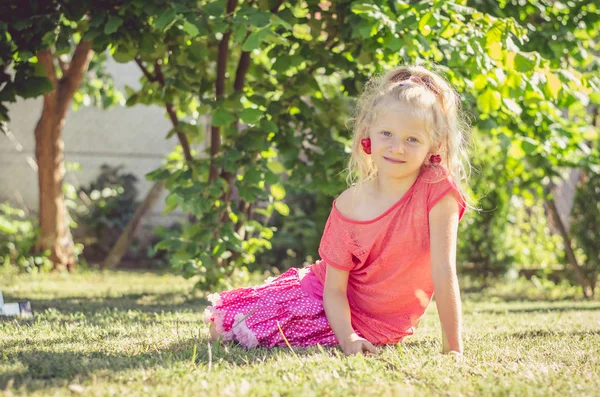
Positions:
(132, 136)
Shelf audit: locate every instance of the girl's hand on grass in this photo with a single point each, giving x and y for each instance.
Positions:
(456, 354)
(354, 344)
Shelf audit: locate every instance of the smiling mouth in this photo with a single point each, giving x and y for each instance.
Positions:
(394, 161)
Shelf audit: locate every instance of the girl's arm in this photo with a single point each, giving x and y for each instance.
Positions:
(337, 309)
(443, 228)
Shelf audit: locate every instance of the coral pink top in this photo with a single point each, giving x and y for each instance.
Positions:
(390, 284)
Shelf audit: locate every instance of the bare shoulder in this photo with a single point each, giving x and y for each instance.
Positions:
(344, 202)
(348, 203)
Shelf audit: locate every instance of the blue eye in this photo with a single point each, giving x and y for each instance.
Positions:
(386, 133)
(413, 139)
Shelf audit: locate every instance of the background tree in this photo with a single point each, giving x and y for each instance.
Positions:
(564, 82)
(277, 81)
(278, 121)
(45, 52)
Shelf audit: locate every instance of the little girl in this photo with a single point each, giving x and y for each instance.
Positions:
(389, 241)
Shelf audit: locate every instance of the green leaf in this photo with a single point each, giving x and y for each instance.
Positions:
(276, 167)
(171, 203)
(22, 24)
(147, 44)
(424, 27)
(259, 19)
(255, 39)
(529, 145)
(7, 94)
(239, 32)
(91, 34)
(278, 192)
(215, 8)
(251, 116)
(595, 97)
(123, 54)
(158, 175)
(268, 126)
(197, 51)
(276, 21)
(171, 244)
(165, 20)
(252, 176)
(489, 101)
(524, 63)
(282, 63)
(190, 28)
(113, 24)
(32, 87)
(282, 208)
(553, 85)
(222, 118)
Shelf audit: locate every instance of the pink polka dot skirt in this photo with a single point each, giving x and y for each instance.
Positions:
(251, 315)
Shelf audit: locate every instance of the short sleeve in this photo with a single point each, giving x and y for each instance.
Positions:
(438, 190)
(333, 248)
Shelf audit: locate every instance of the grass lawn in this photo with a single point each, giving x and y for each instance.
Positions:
(128, 333)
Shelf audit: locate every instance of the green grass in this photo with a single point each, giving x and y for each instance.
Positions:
(127, 333)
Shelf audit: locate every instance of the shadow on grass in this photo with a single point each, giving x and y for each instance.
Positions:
(546, 334)
(144, 303)
(44, 369)
(595, 307)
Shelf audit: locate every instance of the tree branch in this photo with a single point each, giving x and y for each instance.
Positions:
(45, 58)
(80, 61)
(149, 76)
(238, 86)
(571, 259)
(158, 76)
(180, 135)
(215, 132)
(241, 71)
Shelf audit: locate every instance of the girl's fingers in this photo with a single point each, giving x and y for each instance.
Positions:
(370, 348)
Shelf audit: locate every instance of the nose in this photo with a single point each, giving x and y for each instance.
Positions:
(397, 146)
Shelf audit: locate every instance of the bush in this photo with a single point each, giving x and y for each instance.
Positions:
(297, 236)
(104, 208)
(482, 247)
(18, 234)
(585, 226)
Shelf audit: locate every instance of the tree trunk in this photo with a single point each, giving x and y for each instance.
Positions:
(572, 260)
(55, 234)
(117, 252)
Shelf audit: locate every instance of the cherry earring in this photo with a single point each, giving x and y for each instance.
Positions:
(435, 159)
(366, 145)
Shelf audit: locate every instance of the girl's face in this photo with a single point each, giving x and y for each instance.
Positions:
(399, 142)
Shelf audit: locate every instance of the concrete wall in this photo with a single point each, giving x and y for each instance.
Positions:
(131, 136)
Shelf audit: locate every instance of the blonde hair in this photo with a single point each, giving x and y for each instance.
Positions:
(429, 96)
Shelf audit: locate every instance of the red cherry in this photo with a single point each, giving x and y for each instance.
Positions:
(366, 144)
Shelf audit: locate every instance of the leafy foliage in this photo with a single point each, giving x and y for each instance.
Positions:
(278, 122)
(105, 207)
(306, 70)
(27, 27)
(586, 223)
(18, 233)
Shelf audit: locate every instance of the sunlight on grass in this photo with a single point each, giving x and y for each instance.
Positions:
(142, 333)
